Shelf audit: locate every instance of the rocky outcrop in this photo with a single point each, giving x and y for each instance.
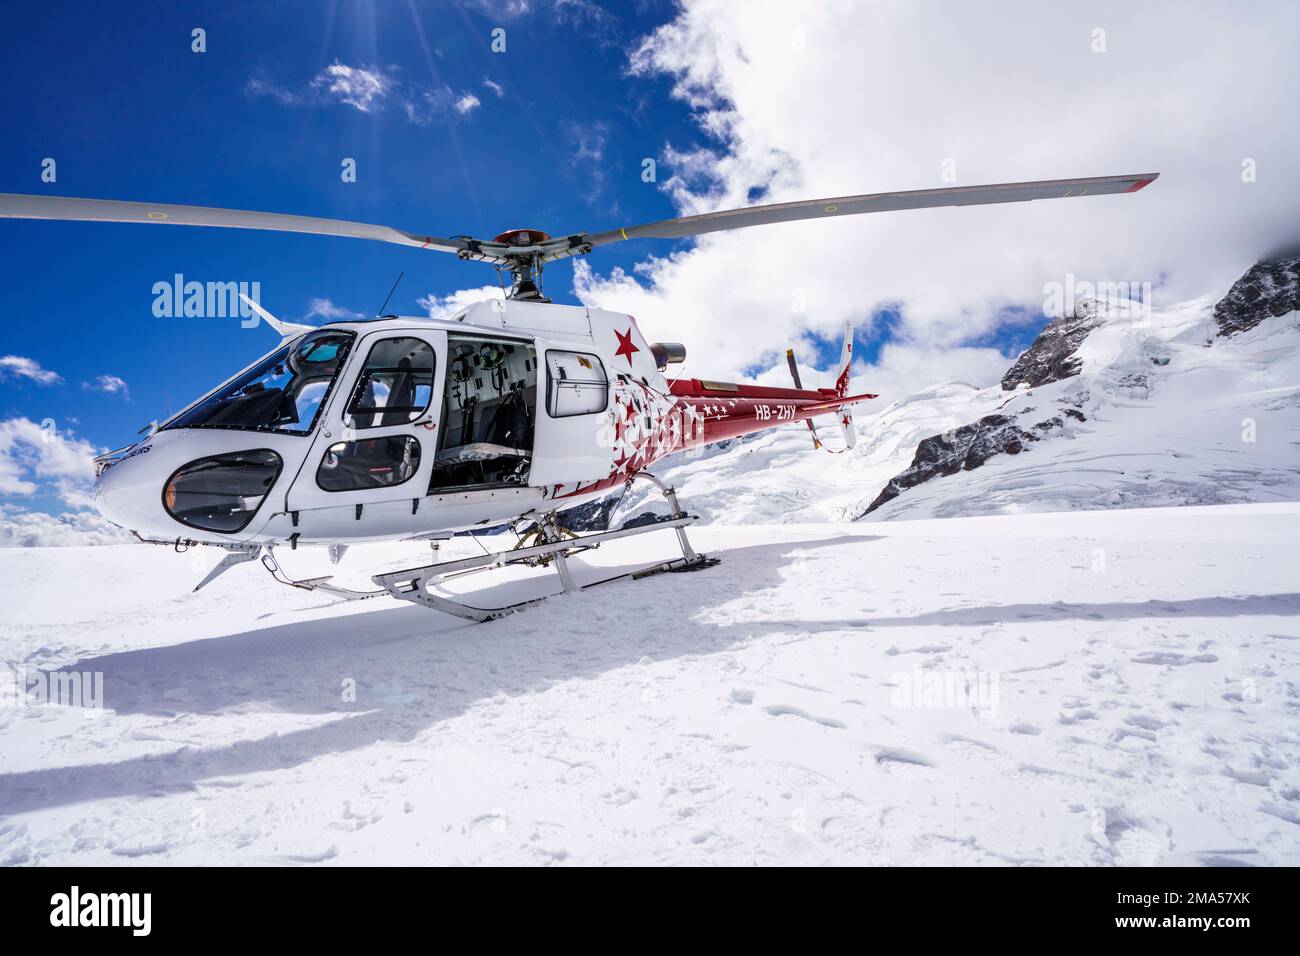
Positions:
(1051, 357)
(592, 516)
(966, 448)
(1268, 288)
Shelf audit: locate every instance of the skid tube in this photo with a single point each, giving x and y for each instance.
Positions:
(416, 584)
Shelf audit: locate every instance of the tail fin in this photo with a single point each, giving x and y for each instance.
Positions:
(841, 391)
(286, 330)
(842, 386)
(846, 423)
(846, 362)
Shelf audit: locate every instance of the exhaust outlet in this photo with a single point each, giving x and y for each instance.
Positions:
(668, 353)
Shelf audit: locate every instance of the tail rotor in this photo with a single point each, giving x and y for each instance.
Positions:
(843, 373)
(794, 374)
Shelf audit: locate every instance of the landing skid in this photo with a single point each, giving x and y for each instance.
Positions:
(417, 584)
(555, 546)
(558, 545)
(313, 584)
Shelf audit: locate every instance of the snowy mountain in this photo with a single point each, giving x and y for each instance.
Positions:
(1269, 288)
(1117, 405)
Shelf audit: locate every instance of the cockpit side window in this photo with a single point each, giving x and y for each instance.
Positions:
(395, 385)
(283, 393)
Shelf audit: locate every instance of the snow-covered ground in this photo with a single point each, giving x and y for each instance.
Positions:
(1090, 688)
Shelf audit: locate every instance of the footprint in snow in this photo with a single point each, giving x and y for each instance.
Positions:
(1145, 722)
(1171, 659)
(784, 710)
(320, 857)
(889, 757)
(968, 746)
(495, 822)
(1281, 812)
(1256, 778)
(141, 849)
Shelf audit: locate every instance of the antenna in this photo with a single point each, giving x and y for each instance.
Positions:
(390, 295)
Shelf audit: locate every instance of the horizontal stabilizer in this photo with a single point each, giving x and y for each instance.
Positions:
(835, 404)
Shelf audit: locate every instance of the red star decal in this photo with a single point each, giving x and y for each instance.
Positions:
(625, 346)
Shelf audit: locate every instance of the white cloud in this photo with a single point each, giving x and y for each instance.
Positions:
(507, 10)
(39, 458)
(444, 307)
(258, 86)
(327, 310)
(34, 529)
(108, 384)
(903, 369)
(18, 366)
(569, 12)
(422, 106)
(586, 143)
(836, 99)
(368, 89)
(495, 87)
(363, 88)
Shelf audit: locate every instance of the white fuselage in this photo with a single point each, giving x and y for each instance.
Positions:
(504, 408)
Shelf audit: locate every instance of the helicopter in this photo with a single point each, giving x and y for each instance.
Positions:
(506, 414)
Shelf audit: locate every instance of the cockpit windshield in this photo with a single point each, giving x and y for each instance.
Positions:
(282, 393)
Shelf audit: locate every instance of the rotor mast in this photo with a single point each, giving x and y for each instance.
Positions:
(523, 252)
(527, 279)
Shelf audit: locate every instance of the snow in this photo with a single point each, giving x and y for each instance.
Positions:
(1070, 688)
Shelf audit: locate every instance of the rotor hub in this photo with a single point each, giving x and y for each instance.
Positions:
(522, 237)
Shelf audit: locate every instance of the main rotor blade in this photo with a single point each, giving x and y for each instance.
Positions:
(875, 202)
(15, 206)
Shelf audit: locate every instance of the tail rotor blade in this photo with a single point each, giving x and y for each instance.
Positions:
(794, 374)
(794, 368)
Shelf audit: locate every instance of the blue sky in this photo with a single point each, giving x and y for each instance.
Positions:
(553, 137)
